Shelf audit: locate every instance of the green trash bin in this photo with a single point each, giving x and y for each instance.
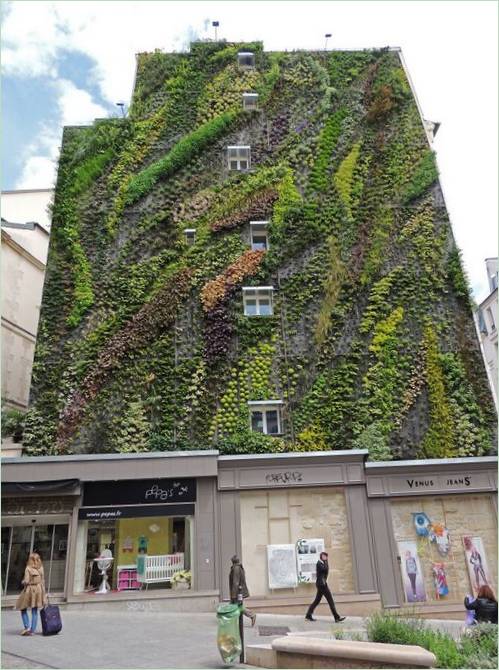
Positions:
(228, 638)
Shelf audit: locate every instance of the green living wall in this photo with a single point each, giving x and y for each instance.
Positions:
(143, 344)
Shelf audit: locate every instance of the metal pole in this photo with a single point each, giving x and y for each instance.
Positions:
(241, 626)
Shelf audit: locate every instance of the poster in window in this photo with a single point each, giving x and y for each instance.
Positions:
(281, 561)
(476, 562)
(307, 555)
(412, 575)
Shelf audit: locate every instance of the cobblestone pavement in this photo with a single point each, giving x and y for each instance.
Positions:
(116, 639)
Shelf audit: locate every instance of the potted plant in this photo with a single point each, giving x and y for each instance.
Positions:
(182, 580)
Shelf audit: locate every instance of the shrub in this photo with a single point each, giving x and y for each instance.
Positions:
(13, 424)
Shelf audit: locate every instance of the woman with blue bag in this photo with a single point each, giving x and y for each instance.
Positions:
(33, 594)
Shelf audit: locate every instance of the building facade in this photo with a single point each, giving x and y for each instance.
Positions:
(258, 259)
(486, 318)
(275, 511)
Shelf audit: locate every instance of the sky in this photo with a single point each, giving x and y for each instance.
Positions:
(68, 62)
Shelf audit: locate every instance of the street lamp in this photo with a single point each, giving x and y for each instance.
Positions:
(327, 36)
(215, 24)
(121, 105)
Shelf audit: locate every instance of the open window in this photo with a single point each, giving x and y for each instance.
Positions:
(190, 236)
(250, 101)
(266, 416)
(238, 158)
(246, 60)
(258, 300)
(259, 235)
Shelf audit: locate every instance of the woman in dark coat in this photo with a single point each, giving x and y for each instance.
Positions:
(484, 605)
(323, 590)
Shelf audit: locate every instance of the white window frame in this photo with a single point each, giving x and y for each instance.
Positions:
(250, 101)
(490, 316)
(190, 236)
(265, 406)
(246, 54)
(257, 293)
(259, 228)
(238, 153)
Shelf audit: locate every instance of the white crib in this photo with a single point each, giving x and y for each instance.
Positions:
(159, 568)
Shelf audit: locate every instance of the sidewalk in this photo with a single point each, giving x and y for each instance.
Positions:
(139, 639)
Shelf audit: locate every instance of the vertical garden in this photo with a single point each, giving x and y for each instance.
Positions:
(143, 343)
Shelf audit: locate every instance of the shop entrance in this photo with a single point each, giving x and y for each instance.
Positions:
(47, 536)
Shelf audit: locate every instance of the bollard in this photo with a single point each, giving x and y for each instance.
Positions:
(241, 626)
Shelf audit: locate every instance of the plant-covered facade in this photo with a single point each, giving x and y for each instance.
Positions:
(278, 278)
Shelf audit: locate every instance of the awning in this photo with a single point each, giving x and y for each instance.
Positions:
(67, 486)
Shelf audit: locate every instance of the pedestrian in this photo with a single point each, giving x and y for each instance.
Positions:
(322, 569)
(411, 569)
(33, 594)
(484, 605)
(237, 585)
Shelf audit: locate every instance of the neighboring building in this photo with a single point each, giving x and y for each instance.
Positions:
(25, 240)
(197, 509)
(26, 205)
(263, 263)
(487, 323)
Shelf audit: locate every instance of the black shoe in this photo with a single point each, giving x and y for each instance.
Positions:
(309, 617)
(339, 619)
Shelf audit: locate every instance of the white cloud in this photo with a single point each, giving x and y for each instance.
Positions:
(38, 172)
(450, 49)
(76, 105)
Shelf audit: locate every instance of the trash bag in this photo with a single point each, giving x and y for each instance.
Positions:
(228, 638)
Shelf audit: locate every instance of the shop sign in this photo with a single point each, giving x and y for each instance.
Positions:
(139, 492)
(133, 512)
(421, 484)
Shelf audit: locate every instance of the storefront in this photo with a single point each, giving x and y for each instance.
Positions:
(413, 534)
(152, 515)
(279, 511)
(434, 527)
(36, 517)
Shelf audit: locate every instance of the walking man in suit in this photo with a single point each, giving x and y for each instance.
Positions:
(323, 590)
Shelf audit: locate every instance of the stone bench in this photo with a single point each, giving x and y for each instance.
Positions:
(302, 652)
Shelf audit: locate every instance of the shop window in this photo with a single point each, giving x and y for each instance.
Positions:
(250, 101)
(258, 300)
(246, 60)
(238, 158)
(265, 416)
(133, 543)
(259, 236)
(190, 236)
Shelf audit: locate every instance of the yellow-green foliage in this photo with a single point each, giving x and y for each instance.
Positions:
(344, 178)
(380, 236)
(335, 273)
(439, 439)
(225, 92)
(311, 438)
(251, 380)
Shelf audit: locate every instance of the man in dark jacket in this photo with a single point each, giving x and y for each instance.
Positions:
(237, 585)
(323, 590)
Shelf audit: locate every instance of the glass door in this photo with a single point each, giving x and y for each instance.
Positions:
(21, 543)
(48, 540)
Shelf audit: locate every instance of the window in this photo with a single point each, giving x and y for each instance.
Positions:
(246, 60)
(238, 158)
(259, 237)
(258, 301)
(265, 416)
(190, 236)
(250, 101)
(491, 319)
